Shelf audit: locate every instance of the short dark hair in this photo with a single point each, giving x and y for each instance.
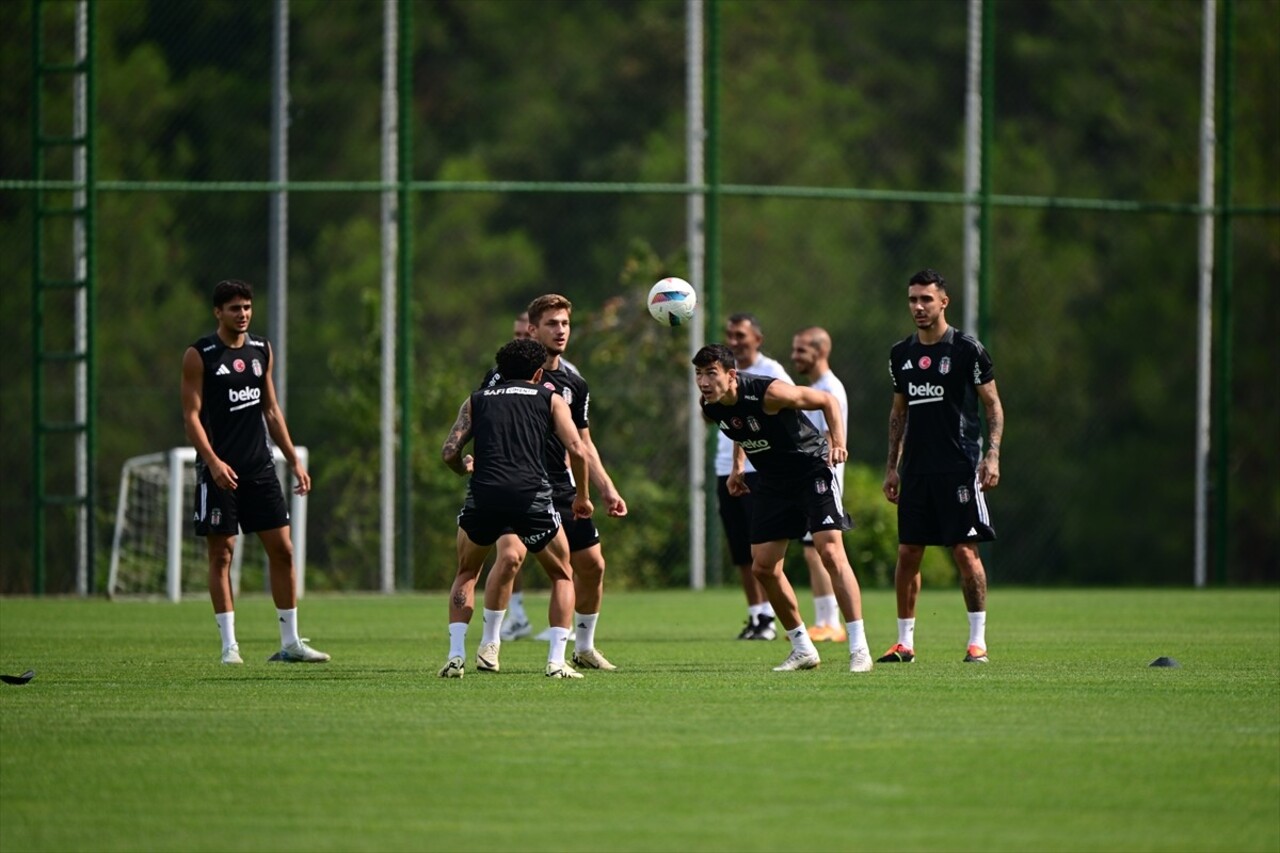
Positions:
(225, 291)
(715, 354)
(929, 276)
(520, 358)
(744, 317)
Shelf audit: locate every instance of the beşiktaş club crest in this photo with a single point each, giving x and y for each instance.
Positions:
(753, 424)
(567, 393)
(962, 494)
(944, 366)
(820, 486)
(257, 367)
(215, 517)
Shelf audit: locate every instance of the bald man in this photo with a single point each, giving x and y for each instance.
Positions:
(810, 356)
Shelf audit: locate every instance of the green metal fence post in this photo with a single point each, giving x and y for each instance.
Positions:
(404, 285)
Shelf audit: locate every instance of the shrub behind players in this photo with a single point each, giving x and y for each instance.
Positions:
(796, 491)
(939, 375)
(228, 409)
(509, 493)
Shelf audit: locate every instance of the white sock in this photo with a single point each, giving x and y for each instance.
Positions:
(584, 630)
(978, 629)
(754, 611)
(516, 607)
(288, 626)
(800, 641)
(559, 638)
(768, 610)
(824, 610)
(492, 626)
(857, 635)
(457, 639)
(907, 632)
(227, 627)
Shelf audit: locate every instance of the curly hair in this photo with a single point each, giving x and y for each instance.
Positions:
(520, 358)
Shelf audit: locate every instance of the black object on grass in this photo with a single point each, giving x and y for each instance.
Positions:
(1165, 662)
(19, 679)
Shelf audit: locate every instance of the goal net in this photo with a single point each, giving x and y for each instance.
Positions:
(154, 549)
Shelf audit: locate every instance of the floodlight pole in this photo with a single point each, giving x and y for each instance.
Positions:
(973, 163)
(390, 238)
(278, 219)
(1205, 314)
(696, 231)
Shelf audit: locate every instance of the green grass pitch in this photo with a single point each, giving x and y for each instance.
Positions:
(133, 737)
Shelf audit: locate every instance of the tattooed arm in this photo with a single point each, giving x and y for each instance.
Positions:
(897, 433)
(989, 468)
(459, 435)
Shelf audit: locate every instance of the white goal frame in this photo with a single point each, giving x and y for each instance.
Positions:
(176, 459)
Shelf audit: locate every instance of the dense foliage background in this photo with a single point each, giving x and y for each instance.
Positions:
(1093, 317)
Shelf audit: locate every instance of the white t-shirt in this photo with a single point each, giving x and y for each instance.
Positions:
(832, 385)
(764, 366)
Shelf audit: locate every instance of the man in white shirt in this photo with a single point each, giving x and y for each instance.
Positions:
(743, 335)
(810, 356)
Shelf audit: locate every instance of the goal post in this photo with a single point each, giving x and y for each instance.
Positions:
(154, 550)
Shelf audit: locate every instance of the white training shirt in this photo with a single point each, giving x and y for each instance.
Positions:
(830, 383)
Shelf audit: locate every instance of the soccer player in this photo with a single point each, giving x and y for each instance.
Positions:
(744, 336)
(795, 493)
(939, 375)
(810, 355)
(228, 409)
(516, 623)
(550, 319)
(509, 491)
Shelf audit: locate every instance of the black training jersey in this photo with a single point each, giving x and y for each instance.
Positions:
(940, 383)
(573, 388)
(785, 444)
(509, 426)
(231, 409)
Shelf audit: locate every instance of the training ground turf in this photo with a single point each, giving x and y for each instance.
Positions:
(132, 736)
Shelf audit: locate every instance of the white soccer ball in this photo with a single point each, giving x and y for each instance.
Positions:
(671, 301)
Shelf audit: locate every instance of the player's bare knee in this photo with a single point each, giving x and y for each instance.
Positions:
(832, 556)
(764, 571)
(220, 554)
(590, 572)
(968, 561)
(910, 554)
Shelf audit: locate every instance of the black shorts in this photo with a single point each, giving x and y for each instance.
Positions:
(735, 516)
(256, 504)
(581, 532)
(791, 508)
(943, 509)
(536, 525)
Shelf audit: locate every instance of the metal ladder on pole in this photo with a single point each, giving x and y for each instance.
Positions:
(62, 304)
